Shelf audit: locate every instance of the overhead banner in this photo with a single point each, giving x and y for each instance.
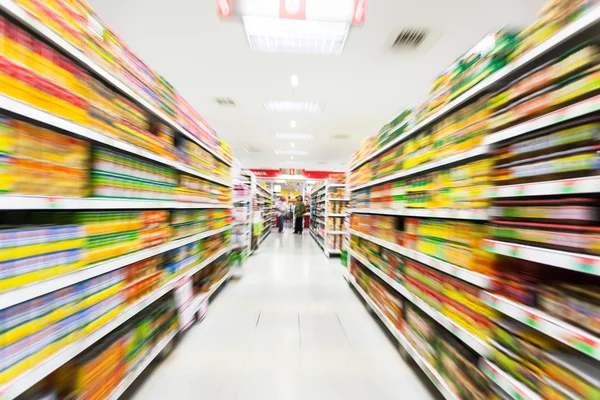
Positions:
(274, 173)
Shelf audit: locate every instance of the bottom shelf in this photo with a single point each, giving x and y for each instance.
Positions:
(510, 385)
(319, 241)
(152, 354)
(431, 372)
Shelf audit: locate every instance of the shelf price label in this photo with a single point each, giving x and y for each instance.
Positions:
(532, 320)
(584, 344)
(52, 203)
(587, 265)
(568, 187)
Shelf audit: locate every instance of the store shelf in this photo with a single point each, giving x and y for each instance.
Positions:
(336, 215)
(213, 289)
(469, 339)
(11, 8)
(560, 330)
(476, 214)
(557, 258)
(564, 114)
(510, 385)
(319, 241)
(580, 25)
(460, 157)
(338, 199)
(264, 236)
(24, 293)
(333, 251)
(429, 370)
(335, 185)
(147, 360)
(10, 202)
(320, 221)
(29, 378)
(335, 232)
(27, 111)
(477, 279)
(548, 188)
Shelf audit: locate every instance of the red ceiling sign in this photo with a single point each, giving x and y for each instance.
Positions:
(224, 8)
(360, 9)
(292, 9)
(266, 173)
(317, 174)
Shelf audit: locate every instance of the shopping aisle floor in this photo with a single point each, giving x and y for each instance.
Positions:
(290, 328)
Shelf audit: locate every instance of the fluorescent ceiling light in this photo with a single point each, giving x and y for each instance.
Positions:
(292, 145)
(292, 157)
(294, 80)
(295, 106)
(288, 152)
(292, 136)
(275, 35)
(293, 123)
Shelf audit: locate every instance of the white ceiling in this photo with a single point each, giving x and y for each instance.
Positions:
(363, 88)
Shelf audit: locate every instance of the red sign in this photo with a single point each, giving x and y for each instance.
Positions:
(292, 9)
(266, 173)
(224, 8)
(360, 9)
(317, 174)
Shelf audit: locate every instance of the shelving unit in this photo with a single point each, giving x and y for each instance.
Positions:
(422, 230)
(319, 219)
(421, 362)
(263, 216)
(179, 163)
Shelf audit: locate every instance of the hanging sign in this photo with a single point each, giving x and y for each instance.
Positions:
(224, 8)
(292, 9)
(360, 9)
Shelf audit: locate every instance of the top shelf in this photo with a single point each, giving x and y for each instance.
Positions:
(12, 9)
(579, 26)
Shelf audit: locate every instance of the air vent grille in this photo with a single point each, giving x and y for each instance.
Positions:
(341, 137)
(224, 101)
(410, 38)
(252, 149)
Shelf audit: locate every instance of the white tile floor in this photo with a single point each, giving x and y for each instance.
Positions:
(290, 328)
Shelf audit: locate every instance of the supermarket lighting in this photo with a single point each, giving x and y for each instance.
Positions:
(295, 106)
(292, 145)
(292, 157)
(293, 123)
(292, 136)
(294, 80)
(291, 152)
(275, 35)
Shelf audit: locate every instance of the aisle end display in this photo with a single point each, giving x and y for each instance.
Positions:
(328, 213)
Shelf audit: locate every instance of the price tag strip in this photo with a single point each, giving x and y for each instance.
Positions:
(429, 370)
(510, 385)
(478, 345)
(466, 275)
(562, 259)
(547, 188)
(560, 330)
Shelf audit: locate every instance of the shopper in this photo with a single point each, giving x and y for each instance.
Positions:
(280, 208)
(299, 209)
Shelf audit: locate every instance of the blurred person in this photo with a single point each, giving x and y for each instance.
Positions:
(281, 208)
(299, 209)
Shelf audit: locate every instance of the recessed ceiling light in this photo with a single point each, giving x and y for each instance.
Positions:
(292, 136)
(292, 145)
(292, 157)
(294, 80)
(295, 106)
(287, 152)
(293, 123)
(275, 35)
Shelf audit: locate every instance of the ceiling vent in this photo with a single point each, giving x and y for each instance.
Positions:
(252, 149)
(341, 137)
(224, 101)
(410, 38)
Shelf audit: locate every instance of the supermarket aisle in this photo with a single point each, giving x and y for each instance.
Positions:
(291, 328)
